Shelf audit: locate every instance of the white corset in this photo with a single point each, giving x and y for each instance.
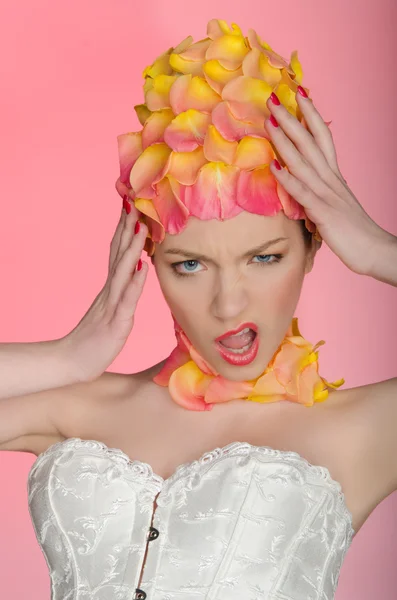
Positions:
(242, 521)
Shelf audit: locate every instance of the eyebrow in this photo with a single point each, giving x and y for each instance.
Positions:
(256, 250)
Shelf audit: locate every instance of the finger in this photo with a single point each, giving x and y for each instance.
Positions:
(304, 195)
(319, 130)
(127, 234)
(296, 163)
(126, 307)
(310, 138)
(125, 267)
(115, 243)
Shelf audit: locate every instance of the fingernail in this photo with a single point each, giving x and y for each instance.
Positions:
(139, 265)
(126, 205)
(302, 91)
(273, 121)
(137, 227)
(274, 99)
(277, 164)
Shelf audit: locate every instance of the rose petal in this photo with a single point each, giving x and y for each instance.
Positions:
(142, 112)
(183, 166)
(157, 91)
(253, 152)
(161, 66)
(192, 92)
(217, 76)
(217, 28)
(130, 148)
(150, 218)
(217, 149)
(233, 129)
(187, 131)
(229, 48)
(256, 64)
(172, 213)
(223, 390)
(247, 98)
(214, 193)
(147, 165)
(256, 192)
(155, 125)
(187, 387)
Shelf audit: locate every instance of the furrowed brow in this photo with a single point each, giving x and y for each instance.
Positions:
(197, 255)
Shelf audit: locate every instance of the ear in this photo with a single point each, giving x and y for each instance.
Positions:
(310, 255)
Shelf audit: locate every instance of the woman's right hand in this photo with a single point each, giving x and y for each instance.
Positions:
(103, 331)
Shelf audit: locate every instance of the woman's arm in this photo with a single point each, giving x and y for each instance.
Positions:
(26, 368)
(88, 350)
(384, 267)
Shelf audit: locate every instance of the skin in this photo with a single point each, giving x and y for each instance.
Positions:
(221, 293)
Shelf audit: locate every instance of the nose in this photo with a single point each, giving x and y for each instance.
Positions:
(230, 298)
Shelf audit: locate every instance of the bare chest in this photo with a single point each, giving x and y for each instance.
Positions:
(148, 426)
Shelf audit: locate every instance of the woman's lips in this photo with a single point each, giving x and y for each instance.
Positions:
(240, 340)
(240, 358)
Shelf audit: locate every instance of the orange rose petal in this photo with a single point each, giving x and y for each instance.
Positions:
(187, 131)
(187, 67)
(217, 28)
(217, 76)
(256, 64)
(142, 112)
(155, 125)
(172, 213)
(160, 66)
(192, 92)
(233, 129)
(197, 50)
(253, 152)
(151, 219)
(223, 390)
(229, 50)
(187, 387)
(130, 148)
(247, 98)
(157, 91)
(256, 192)
(214, 192)
(217, 149)
(147, 165)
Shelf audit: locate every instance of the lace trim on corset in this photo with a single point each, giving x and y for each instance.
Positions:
(145, 472)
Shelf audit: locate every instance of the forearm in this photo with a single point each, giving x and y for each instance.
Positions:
(384, 266)
(26, 368)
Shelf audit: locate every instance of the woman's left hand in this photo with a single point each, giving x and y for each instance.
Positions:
(314, 180)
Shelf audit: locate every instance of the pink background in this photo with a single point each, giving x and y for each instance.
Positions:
(70, 75)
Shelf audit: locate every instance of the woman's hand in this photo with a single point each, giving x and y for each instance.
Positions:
(314, 180)
(101, 334)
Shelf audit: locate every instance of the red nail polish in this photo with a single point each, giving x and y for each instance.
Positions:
(126, 205)
(139, 266)
(277, 164)
(273, 121)
(302, 91)
(274, 99)
(137, 227)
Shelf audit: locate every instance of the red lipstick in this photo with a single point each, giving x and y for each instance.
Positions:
(234, 357)
(234, 331)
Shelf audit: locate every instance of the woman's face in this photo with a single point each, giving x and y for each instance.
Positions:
(214, 280)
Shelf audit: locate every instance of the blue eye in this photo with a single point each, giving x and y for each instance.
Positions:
(277, 258)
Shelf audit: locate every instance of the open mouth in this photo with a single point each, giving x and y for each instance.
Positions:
(240, 342)
(239, 349)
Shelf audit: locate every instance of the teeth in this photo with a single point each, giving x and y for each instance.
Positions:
(241, 332)
(240, 350)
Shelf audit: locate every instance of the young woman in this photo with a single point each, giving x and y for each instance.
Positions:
(232, 468)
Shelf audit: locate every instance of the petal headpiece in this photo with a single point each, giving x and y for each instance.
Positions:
(203, 149)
